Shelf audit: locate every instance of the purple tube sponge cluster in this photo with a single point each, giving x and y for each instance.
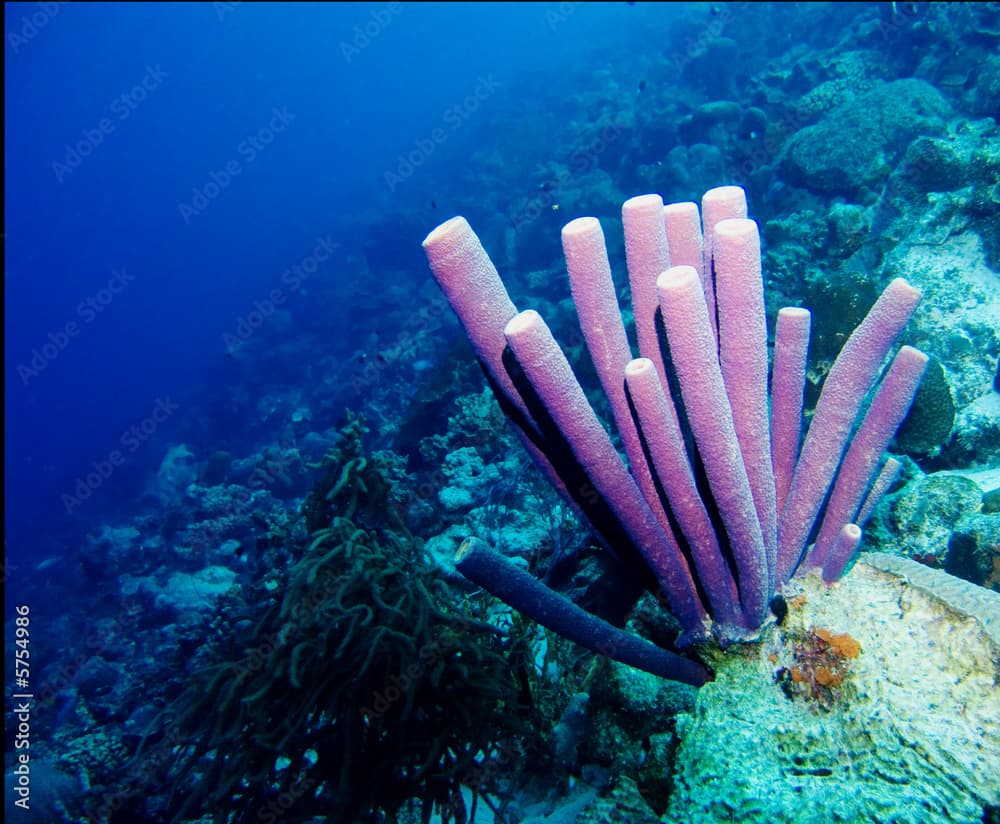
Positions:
(718, 492)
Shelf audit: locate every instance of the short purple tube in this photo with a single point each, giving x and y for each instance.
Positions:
(843, 549)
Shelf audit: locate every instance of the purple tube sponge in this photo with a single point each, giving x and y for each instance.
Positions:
(714, 494)
(850, 379)
(739, 294)
(552, 378)
(601, 323)
(788, 383)
(886, 478)
(694, 353)
(478, 562)
(857, 470)
(666, 447)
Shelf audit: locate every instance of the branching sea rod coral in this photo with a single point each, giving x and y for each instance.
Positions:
(363, 690)
(722, 499)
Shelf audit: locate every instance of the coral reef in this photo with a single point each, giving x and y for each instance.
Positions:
(361, 689)
(905, 728)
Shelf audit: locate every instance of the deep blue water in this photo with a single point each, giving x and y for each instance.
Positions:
(118, 116)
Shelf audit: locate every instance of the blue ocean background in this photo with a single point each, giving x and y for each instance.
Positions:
(218, 311)
(214, 77)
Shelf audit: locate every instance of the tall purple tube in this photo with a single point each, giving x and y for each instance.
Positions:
(551, 376)
(670, 461)
(601, 323)
(788, 383)
(742, 327)
(692, 348)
